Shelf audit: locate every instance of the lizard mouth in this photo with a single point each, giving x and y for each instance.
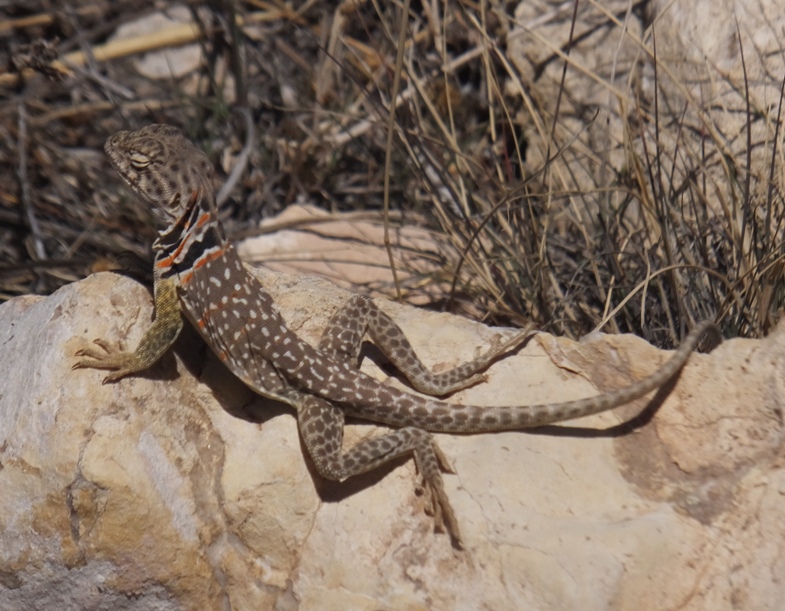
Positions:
(121, 165)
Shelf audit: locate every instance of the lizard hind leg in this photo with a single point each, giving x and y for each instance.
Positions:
(321, 423)
(321, 426)
(344, 333)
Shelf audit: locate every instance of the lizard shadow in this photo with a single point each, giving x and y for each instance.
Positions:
(243, 403)
(331, 491)
(239, 401)
(636, 422)
(711, 340)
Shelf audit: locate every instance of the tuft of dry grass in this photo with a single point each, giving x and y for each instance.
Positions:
(639, 213)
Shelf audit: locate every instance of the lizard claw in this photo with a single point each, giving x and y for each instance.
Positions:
(113, 377)
(91, 352)
(94, 357)
(438, 506)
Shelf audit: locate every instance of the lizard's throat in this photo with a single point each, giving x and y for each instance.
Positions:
(182, 244)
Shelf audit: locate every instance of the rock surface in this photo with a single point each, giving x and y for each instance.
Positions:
(348, 249)
(719, 65)
(181, 489)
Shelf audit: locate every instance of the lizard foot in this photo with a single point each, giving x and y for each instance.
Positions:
(104, 357)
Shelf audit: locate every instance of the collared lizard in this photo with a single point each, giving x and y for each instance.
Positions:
(198, 274)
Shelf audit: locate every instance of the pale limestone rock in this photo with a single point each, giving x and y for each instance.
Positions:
(722, 55)
(172, 37)
(167, 63)
(607, 107)
(181, 489)
(603, 72)
(348, 249)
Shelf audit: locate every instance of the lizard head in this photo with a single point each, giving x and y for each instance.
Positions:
(163, 167)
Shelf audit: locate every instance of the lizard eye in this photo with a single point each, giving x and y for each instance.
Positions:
(139, 160)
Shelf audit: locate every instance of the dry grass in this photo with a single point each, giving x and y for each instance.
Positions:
(646, 232)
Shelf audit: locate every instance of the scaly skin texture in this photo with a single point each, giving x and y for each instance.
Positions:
(198, 274)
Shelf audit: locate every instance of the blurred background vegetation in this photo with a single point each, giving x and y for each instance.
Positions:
(572, 166)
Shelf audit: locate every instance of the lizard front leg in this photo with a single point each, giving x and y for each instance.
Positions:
(344, 333)
(155, 342)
